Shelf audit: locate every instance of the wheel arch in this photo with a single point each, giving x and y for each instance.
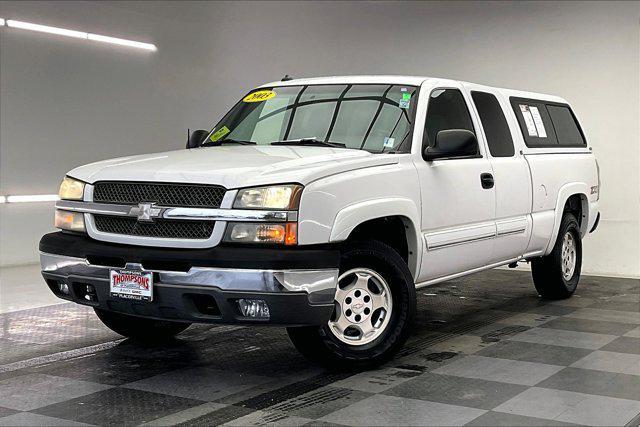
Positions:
(571, 197)
(393, 221)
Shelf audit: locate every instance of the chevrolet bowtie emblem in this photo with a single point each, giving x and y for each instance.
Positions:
(146, 212)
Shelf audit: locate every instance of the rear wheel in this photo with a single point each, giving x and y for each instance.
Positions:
(556, 275)
(139, 328)
(374, 308)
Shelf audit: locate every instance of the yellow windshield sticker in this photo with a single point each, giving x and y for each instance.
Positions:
(259, 96)
(219, 133)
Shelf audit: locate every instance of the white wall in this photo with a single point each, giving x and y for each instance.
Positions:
(66, 102)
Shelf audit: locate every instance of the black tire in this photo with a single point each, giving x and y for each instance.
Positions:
(321, 346)
(547, 271)
(140, 328)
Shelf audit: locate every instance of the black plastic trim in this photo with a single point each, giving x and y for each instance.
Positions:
(595, 224)
(175, 303)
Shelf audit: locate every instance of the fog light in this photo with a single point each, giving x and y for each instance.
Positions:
(256, 308)
(64, 288)
(90, 294)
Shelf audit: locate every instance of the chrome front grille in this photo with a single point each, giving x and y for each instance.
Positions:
(161, 228)
(175, 195)
(164, 195)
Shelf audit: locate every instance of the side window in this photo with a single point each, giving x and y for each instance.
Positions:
(494, 123)
(565, 125)
(534, 122)
(446, 110)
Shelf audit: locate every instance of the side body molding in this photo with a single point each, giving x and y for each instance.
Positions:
(353, 215)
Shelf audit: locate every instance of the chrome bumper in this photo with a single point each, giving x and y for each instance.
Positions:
(319, 285)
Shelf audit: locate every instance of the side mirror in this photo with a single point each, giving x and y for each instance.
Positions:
(452, 143)
(196, 138)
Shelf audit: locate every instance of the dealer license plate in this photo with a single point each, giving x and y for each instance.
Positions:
(132, 284)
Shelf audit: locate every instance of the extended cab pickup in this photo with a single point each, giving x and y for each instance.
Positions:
(322, 205)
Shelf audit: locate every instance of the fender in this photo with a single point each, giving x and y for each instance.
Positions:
(353, 215)
(564, 193)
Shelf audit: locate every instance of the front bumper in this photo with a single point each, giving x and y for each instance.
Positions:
(197, 285)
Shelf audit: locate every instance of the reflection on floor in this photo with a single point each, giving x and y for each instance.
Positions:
(486, 351)
(21, 288)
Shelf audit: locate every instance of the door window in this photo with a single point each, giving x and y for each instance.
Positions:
(447, 109)
(494, 124)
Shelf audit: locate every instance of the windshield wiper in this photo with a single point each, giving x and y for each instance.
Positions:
(227, 141)
(310, 142)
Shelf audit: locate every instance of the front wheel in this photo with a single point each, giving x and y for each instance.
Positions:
(556, 275)
(139, 328)
(374, 308)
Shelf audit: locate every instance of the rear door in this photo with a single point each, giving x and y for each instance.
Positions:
(511, 174)
(458, 223)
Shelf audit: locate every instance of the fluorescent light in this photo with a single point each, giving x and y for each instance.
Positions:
(3, 199)
(46, 29)
(121, 42)
(30, 198)
(1, 22)
(78, 34)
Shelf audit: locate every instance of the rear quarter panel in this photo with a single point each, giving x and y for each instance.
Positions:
(556, 174)
(556, 177)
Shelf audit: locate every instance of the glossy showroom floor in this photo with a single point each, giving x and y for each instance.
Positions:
(486, 351)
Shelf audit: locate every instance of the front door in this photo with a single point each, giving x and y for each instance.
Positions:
(458, 199)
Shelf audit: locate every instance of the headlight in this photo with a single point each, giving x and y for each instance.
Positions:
(72, 221)
(271, 197)
(71, 189)
(242, 232)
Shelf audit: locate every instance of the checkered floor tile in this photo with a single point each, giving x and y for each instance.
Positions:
(485, 351)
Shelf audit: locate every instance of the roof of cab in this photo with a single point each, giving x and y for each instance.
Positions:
(402, 80)
(407, 80)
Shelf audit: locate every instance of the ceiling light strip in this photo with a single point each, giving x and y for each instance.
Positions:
(121, 42)
(77, 34)
(46, 29)
(29, 198)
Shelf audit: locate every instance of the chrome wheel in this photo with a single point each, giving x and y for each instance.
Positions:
(363, 306)
(568, 256)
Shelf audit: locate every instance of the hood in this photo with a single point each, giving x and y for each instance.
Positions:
(233, 166)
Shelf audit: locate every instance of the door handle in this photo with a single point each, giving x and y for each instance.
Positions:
(486, 179)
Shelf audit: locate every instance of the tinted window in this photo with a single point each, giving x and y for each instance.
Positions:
(534, 122)
(446, 110)
(494, 123)
(565, 125)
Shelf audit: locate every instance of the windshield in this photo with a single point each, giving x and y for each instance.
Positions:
(376, 118)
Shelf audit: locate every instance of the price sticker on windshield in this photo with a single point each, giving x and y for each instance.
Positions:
(259, 96)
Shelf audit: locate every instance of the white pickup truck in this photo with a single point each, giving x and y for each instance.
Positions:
(322, 205)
